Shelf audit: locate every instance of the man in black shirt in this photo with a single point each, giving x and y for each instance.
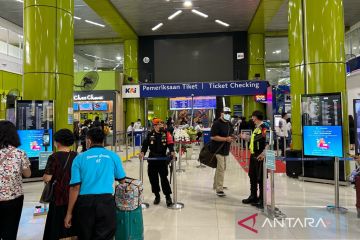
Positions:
(221, 138)
(158, 140)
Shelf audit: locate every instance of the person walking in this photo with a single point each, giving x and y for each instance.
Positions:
(282, 132)
(158, 141)
(14, 164)
(58, 170)
(84, 129)
(91, 187)
(221, 139)
(257, 149)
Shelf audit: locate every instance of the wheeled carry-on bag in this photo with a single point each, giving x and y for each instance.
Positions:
(129, 219)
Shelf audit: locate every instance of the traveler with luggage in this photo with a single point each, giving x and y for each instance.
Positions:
(257, 148)
(158, 141)
(221, 139)
(92, 177)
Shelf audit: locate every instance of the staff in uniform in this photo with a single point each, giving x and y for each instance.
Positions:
(257, 148)
(158, 141)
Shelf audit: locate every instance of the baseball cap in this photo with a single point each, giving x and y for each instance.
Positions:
(226, 110)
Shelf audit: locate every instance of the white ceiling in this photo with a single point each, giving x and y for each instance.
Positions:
(12, 11)
(351, 15)
(143, 15)
(277, 49)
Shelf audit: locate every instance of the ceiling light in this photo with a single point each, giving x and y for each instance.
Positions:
(174, 15)
(22, 1)
(75, 60)
(110, 60)
(222, 23)
(118, 58)
(77, 18)
(200, 13)
(95, 23)
(89, 55)
(188, 4)
(157, 26)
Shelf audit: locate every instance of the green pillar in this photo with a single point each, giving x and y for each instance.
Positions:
(317, 55)
(161, 107)
(256, 46)
(134, 107)
(48, 55)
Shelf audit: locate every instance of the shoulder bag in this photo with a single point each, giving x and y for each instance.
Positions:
(47, 195)
(208, 158)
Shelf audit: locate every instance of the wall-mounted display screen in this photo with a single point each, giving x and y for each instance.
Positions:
(323, 141)
(76, 106)
(100, 106)
(180, 103)
(86, 106)
(204, 102)
(183, 103)
(32, 141)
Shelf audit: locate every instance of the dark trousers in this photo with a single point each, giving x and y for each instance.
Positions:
(282, 145)
(95, 217)
(156, 169)
(256, 177)
(357, 185)
(10, 212)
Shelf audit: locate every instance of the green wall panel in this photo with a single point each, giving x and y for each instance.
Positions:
(160, 107)
(108, 80)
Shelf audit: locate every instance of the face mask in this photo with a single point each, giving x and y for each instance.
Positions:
(227, 117)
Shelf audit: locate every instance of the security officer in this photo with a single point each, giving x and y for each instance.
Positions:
(158, 140)
(257, 148)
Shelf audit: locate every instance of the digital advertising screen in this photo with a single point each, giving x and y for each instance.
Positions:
(76, 106)
(323, 141)
(87, 106)
(100, 106)
(357, 125)
(32, 141)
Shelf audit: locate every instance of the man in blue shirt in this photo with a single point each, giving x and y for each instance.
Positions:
(91, 187)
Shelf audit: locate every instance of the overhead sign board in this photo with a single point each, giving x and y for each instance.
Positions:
(131, 91)
(236, 88)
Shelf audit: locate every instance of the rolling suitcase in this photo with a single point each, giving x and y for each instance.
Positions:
(129, 219)
(129, 225)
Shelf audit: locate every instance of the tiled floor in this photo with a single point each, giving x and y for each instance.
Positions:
(207, 217)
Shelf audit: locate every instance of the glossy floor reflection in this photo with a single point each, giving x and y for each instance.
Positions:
(208, 217)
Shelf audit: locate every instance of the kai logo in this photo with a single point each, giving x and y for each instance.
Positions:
(130, 90)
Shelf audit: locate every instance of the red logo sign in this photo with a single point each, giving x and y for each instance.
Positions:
(253, 218)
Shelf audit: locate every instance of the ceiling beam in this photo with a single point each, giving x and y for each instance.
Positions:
(108, 12)
(98, 41)
(265, 12)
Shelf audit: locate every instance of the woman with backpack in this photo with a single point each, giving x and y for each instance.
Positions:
(57, 172)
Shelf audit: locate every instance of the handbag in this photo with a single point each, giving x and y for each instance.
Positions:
(208, 158)
(47, 195)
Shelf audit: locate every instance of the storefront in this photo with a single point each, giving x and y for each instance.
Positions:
(90, 104)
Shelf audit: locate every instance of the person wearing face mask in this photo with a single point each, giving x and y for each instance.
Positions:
(221, 139)
(158, 141)
(257, 149)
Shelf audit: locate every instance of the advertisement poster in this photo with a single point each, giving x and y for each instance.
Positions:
(32, 142)
(322, 125)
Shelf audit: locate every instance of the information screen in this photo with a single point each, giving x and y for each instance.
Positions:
(183, 103)
(32, 141)
(34, 115)
(100, 106)
(321, 110)
(323, 141)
